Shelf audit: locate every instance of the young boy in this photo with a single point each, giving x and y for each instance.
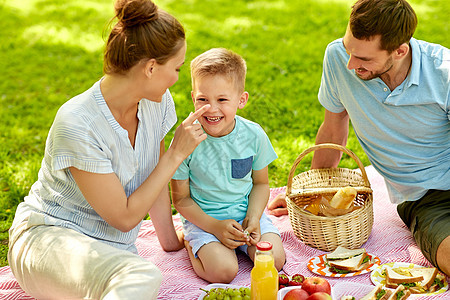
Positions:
(222, 188)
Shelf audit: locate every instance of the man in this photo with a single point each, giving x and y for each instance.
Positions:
(396, 92)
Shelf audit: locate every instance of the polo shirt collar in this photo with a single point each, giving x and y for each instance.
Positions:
(414, 74)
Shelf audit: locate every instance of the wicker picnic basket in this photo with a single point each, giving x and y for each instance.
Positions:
(326, 233)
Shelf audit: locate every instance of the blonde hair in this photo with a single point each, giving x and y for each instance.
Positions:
(143, 31)
(220, 61)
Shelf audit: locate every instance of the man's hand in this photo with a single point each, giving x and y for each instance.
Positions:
(278, 206)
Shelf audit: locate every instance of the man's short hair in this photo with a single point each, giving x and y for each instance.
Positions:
(220, 61)
(394, 20)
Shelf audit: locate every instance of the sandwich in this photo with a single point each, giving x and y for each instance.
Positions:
(428, 274)
(344, 260)
(417, 280)
(341, 253)
(400, 293)
(378, 293)
(394, 279)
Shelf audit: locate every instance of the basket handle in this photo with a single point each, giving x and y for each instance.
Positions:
(327, 146)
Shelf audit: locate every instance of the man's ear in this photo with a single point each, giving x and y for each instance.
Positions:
(402, 50)
(149, 67)
(243, 100)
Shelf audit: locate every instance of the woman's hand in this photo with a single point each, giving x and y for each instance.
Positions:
(278, 206)
(188, 135)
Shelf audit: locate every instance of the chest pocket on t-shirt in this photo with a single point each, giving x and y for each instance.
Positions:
(241, 167)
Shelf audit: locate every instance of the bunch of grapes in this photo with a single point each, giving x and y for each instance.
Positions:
(242, 293)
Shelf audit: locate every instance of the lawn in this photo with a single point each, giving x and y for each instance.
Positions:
(51, 50)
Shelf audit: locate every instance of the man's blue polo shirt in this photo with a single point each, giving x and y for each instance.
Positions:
(404, 132)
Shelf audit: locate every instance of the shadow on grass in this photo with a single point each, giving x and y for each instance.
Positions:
(40, 72)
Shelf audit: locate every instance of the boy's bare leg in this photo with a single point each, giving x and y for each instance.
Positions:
(443, 256)
(215, 263)
(277, 249)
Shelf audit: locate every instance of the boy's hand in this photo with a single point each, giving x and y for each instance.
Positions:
(254, 231)
(230, 233)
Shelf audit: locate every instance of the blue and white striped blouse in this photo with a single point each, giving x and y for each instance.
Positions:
(85, 135)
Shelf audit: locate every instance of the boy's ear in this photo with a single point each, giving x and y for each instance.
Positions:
(192, 96)
(243, 100)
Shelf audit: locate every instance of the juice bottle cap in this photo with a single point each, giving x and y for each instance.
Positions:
(264, 246)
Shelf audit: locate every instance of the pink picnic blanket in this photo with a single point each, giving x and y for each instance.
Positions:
(390, 240)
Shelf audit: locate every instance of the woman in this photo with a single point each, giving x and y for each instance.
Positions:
(105, 168)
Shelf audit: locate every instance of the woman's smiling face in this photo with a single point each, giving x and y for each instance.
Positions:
(222, 94)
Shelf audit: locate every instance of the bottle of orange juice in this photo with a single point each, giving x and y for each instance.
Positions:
(264, 275)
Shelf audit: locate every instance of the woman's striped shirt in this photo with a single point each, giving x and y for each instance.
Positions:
(85, 135)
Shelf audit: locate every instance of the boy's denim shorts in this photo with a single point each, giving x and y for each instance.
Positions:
(429, 221)
(198, 237)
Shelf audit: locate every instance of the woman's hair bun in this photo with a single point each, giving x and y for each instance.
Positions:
(142, 32)
(135, 12)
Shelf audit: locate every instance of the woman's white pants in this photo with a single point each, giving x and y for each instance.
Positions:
(52, 262)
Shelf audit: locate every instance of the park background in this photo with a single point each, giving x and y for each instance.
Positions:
(51, 50)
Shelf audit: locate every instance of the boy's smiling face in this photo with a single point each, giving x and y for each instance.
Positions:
(222, 94)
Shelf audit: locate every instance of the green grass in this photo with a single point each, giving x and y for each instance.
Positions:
(51, 50)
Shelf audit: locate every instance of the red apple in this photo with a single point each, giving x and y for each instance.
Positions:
(296, 294)
(319, 296)
(316, 284)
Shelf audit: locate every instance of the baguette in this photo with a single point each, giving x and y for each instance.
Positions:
(343, 199)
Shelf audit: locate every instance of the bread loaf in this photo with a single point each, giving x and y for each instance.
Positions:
(343, 199)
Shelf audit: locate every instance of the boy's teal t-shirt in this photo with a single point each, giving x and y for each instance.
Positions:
(220, 169)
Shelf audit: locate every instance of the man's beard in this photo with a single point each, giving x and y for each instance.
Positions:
(387, 66)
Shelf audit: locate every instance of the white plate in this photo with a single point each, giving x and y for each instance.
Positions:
(281, 293)
(377, 278)
(318, 266)
(217, 285)
(348, 288)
